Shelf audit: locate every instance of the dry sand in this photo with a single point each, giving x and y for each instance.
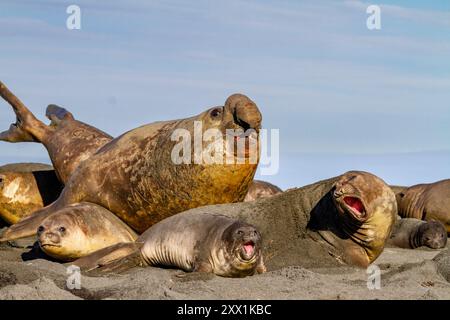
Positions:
(405, 274)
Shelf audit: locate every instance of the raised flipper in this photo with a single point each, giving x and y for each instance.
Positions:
(56, 114)
(116, 259)
(27, 227)
(27, 127)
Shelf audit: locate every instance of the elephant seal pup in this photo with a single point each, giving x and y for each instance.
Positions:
(144, 175)
(68, 141)
(261, 189)
(25, 188)
(426, 202)
(80, 229)
(410, 233)
(346, 219)
(197, 242)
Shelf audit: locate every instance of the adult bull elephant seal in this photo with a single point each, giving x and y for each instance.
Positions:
(25, 188)
(410, 233)
(261, 189)
(426, 202)
(80, 229)
(346, 219)
(68, 141)
(199, 242)
(140, 178)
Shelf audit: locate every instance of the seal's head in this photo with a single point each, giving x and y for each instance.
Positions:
(238, 122)
(242, 243)
(61, 236)
(432, 234)
(367, 209)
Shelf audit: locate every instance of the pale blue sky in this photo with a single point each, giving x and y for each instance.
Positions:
(342, 96)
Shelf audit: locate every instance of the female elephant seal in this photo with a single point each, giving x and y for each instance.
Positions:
(410, 233)
(199, 242)
(426, 202)
(141, 179)
(261, 189)
(346, 219)
(80, 229)
(25, 188)
(68, 141)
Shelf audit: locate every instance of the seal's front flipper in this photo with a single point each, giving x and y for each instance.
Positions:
(28, 226)
(56, 114)
(113, 259)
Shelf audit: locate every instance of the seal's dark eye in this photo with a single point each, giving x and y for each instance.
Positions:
(240, 232)
(62, 229)
(41, 229)
(215, 113)
(1, 181)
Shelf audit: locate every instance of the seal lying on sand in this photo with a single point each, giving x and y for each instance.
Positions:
(25, 188)
(261, 189)
(67, 140)
(426, 202)
(80, 229)
(344, 219)
(410, 233)
(135, 177)
(195, 242)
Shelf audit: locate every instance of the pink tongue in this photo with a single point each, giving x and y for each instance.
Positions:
(248, 248)
(355, 203)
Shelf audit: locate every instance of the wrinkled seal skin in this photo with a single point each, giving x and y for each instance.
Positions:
(134, 177)
(426, 202)
(25, 188)
(313, 227)
(68, 141)
(78, 230)
(261, 189)
(196, 242)
(410, 233)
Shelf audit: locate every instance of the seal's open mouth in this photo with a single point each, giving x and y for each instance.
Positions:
(356, 206)
(249, 248)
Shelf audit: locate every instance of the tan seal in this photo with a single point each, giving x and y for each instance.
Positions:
(426, 202)
(25, 188)
(196, 242)
(81, 229)
(261, 189)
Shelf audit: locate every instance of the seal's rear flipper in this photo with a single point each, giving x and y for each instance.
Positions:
(27, 128)
(56, 114)
(117, 258)
(28, 226)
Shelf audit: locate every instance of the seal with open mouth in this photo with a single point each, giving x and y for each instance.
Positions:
(346, 219)
(25, 188)
(196, 242)
(135, 177)
(80, 229)
(411, 233)
(426, 202)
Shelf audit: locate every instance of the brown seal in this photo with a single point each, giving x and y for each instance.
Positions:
(80, 229)
(134, 176)
(25, 188)
(68, 141)
(261, 189)
(426, 202)
(346, 219)
(410, 233)
(196, 242)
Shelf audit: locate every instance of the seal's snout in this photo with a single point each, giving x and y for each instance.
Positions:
(245, 112)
